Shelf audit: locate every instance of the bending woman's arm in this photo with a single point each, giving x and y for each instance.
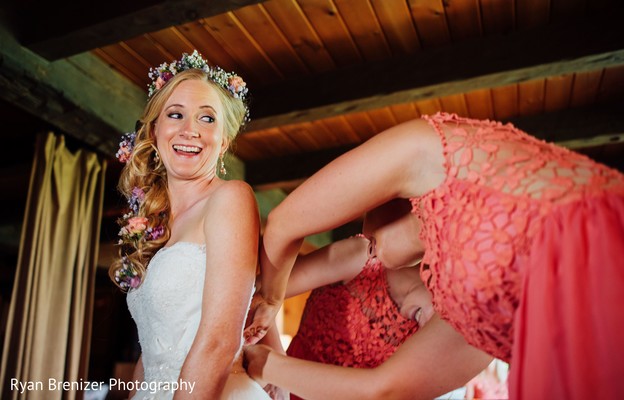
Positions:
(434, 361)
(404, 161)
(340, 261)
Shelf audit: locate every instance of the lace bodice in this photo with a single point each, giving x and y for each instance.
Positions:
(479, 224)
(167, 309)
(356, 324)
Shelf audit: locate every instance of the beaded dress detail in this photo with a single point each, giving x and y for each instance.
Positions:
(167, 311)
(356, 324)
(479, 225)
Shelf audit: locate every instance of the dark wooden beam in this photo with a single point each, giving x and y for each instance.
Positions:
(575, 46)
(60, 29)
(582, 128)
(80, 96)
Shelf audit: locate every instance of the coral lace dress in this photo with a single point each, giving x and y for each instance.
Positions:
(525, 257)
(356, 324)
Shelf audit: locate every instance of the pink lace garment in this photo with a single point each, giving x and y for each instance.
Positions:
(479, 225)
(356, 324)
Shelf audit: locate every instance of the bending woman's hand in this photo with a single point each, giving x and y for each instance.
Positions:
(256, 357)
(263, 317)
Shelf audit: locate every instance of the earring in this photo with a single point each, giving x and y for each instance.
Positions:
(222, 169)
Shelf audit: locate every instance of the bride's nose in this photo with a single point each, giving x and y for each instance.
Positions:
(189, 130)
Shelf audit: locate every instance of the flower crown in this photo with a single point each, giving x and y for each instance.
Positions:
(229, 81)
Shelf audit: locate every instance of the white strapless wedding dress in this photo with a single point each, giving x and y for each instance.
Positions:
(166, 309)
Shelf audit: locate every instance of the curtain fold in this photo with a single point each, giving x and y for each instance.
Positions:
(49, 324)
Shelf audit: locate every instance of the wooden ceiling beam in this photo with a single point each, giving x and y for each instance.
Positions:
(56, 30)
(575, 128)
(81, 95)
(575, 46)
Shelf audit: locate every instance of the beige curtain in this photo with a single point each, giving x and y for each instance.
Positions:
(49, 324)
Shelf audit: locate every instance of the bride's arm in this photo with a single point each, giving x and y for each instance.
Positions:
(231, 228)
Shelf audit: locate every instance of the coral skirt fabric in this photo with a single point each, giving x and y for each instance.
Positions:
(568, 341)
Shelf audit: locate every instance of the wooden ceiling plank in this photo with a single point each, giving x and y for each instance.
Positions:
(382, 118)
(498, 17)
(532, 13)
(265, 143)
(342, 129)
(428, 106)
(430, 22)
(245, 149)
(263, 29)
(230, 34)
(284, 143)
(585, 88)
(300, 135)
(365, 29)
(156, 15)
(435, 73)
(612, 84)
(404, 112)
(327, 137)
(362, 125)
(455, 103)
(396, 21)
(153, 55)
(464, 19)
(558, 90)
(332, 31)
(109, 55)
(212, 51)
(173, 43)
(112, 63)
(531, 97)
(294, 25)
(479, 104)
(505, 102)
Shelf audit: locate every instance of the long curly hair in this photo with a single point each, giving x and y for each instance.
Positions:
(144, 172)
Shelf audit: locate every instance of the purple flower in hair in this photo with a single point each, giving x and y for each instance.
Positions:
(138, 195)
(154, 233)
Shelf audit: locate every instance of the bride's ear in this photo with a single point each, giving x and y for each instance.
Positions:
(225, 144)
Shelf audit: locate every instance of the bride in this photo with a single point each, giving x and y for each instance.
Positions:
(189, 243)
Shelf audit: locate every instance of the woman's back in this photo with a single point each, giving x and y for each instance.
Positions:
(479, 225)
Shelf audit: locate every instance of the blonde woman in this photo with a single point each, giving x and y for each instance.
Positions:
(189, 244)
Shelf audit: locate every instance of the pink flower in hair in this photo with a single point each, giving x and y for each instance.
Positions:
(136, 225)
(236, 83)
(160, 82)
(135, 281)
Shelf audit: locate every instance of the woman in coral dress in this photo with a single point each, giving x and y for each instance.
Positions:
(524, 244)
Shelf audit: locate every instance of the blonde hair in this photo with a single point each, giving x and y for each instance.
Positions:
(144, 172)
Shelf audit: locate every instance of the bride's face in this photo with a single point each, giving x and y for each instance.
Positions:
(189, 130)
